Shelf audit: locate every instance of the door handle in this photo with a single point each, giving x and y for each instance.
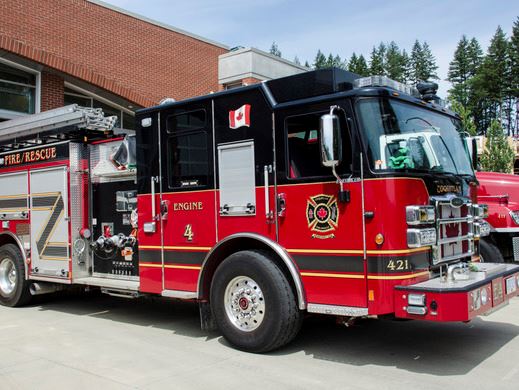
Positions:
(266, 170)
(282, 205)
(154, 179)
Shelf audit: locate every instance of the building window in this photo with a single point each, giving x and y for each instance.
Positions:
(125, 117)
(19, 90)
(235, 84)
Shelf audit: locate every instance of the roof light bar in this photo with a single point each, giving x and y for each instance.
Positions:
(383, 81)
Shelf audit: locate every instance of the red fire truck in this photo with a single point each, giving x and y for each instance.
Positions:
(501, 192)
(317, 193)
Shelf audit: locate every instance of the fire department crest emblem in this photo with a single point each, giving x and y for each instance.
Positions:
(322, 215)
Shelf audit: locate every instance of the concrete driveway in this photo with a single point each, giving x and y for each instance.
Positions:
(98, 342)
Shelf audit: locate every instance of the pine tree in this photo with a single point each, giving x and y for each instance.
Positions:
(498, 155)
(362, 66)
(467, 120)
(417, 67)
(353, 63)
(407, 73)
(376, 63)
(475, 56)
(430, 62)
(490, 83)
(274, 50)
(296, 60)
(320, 60)
(514, 75)
(358, 65)
(307, 64)
(459, 73)
(393, 62)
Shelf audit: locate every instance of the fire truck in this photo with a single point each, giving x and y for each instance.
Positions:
(501, 192)
(321, 192)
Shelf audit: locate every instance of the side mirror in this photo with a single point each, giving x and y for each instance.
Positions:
(474, 153)
(331, 142)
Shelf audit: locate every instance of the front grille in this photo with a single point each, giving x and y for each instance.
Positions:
(454, 228)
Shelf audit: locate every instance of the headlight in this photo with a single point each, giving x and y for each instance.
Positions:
(421, 237)
(418, 215)
(515, 216)
(484, 296)
(475, 299)
(481, 229)
(480, 211)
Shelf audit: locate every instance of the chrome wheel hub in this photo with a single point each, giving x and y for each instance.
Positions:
(7, 277)
(244, 303)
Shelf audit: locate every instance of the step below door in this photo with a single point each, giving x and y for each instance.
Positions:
(50, 253)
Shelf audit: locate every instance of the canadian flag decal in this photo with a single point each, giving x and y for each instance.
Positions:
(240, 117)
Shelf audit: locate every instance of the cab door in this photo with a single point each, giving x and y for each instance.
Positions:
(322, 233)
(187, 204)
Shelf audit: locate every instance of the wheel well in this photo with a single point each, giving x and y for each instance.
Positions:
(9, 239)
(226, 249)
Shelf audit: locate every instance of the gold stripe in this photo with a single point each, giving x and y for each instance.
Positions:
(344, 276)
(396, 277)
(58, 243)
(54, 258)
(199, 248)
(195, 267)
(11, 209)
(152, 265)
(42, 208)
(333, 182)
(20, 196)
(45, 194)
(359, 251)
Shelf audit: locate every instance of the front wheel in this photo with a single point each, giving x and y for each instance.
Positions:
(488, 252)
(14, 289)
(253, 303)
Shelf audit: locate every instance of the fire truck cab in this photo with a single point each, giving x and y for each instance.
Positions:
(318, 193)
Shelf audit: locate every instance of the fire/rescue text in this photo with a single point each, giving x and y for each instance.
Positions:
(29, 156)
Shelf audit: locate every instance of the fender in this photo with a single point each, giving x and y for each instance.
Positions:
(278, 249)
(19, 243)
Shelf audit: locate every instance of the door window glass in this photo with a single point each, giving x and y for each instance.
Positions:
(188, 160)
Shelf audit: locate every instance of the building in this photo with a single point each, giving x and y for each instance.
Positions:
(58, 52)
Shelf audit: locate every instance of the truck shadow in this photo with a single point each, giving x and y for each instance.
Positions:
(420, 347)
(441, 349)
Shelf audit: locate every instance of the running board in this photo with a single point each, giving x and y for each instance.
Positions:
(347, 311)
(179, 294)
(109, 284)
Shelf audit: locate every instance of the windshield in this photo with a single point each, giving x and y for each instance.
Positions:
(401, 136)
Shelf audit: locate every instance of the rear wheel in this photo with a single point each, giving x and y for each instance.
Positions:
(489, 253)
(253, 303)
(14, 289)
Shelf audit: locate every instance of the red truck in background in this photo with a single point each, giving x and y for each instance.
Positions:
(500, 191)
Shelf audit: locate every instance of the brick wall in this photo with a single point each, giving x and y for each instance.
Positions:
(137, 60)
(52, 87)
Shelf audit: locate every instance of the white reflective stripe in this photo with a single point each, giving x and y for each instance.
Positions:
(507, 230)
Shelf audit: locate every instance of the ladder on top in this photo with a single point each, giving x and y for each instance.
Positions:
(52, 125)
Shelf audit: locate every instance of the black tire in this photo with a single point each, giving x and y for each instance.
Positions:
(17, 292)
(281, 319)
(489, 253)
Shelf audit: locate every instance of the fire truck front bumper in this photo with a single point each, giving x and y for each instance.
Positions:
(480, 290)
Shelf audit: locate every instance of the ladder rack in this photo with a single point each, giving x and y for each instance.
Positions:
(53, 125)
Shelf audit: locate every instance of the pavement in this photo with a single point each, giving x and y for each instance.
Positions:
(100, 342)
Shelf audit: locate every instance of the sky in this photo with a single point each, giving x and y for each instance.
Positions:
(301, 27)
